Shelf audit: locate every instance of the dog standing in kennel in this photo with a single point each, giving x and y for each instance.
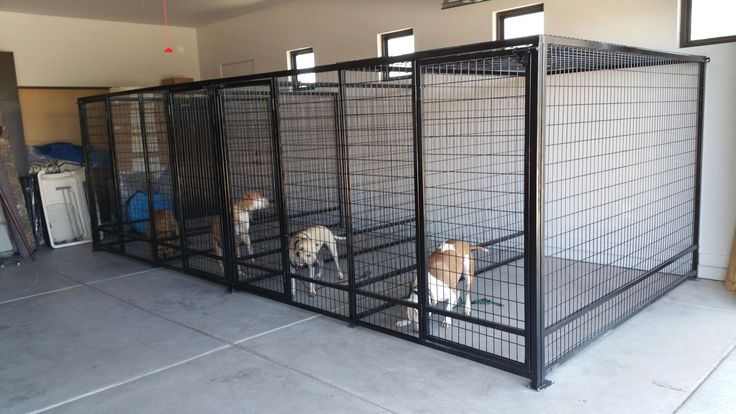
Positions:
(304, 248)
(242, 212)
(167, 229)
(448, 264)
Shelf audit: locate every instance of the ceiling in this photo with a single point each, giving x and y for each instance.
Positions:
(187, 13)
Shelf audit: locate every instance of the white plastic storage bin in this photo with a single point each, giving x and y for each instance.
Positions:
(65, 208)
(6, 246)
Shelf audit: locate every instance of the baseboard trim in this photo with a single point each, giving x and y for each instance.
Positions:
(712, 272)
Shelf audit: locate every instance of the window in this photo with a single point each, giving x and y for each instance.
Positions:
(705, 22)
(524, 21)
(303, 59)
(396, 44)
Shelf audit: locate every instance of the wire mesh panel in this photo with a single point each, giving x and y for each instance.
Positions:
(621, 144)
(199, 189)
(164, 222)
(473, 118)
(131, 172)
(460, 175)
(379, 138)
(308, 126)
(248, 129)
(105, 211)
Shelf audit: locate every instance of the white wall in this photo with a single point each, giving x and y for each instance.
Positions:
(60, 51)
(342, 30)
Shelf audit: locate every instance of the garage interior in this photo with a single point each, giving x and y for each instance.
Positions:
(85, 330)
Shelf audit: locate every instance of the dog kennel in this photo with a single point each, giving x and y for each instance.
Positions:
(573, 165)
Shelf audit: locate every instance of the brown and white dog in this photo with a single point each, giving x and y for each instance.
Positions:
(447, 265)
(304, 247)
(166, 228)
(242, 211)
(412, 314)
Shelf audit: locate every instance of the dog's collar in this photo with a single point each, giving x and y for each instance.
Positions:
(413, 291)
(298, 267)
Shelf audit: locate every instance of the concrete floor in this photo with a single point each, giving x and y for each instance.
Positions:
(97, 333)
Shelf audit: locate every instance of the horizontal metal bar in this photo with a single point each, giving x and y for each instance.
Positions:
(478, 321)
(261, 291)
(264, 239)
(319, 282)
(388, 331)
(590, 339)
(601, 300)
(261, 277)
(255, 266)
(478, 55)
(192, 252)
(389, 302)
(373, 248)
(499, 264)
(393, 273)
(106, 247)
(259, 254)
(199, 273)
(383, 226)
(375, 310)
(502, 239)
(476, 355)
(313, 212)
(384, 245)
(591, 44)
(282, 298)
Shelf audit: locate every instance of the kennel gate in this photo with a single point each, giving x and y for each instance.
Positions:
(574, 165)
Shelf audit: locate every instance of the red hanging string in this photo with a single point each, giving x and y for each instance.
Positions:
(166, 28)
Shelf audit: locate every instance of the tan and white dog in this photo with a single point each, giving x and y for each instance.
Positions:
(242, 212)
(447, 265)
(412, 314)
(304, 247)
(166, 229)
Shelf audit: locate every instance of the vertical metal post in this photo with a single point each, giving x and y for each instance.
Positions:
(536, 72)
(698, 169)
(421, 254)
(113, 158)
(222, 177)
(86, 149)
(346, 209)
(153, 243)
(339, 158)
(280, 194)
(176, 179)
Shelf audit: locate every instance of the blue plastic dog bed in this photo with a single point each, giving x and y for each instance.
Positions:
(137, 209)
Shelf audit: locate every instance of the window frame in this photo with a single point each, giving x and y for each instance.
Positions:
(292, 63)
(385, 37)
(686, 8)
(519, 11)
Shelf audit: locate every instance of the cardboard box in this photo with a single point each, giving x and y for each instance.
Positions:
(175, 80)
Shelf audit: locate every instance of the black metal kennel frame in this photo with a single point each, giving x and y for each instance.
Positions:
(574, 165)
